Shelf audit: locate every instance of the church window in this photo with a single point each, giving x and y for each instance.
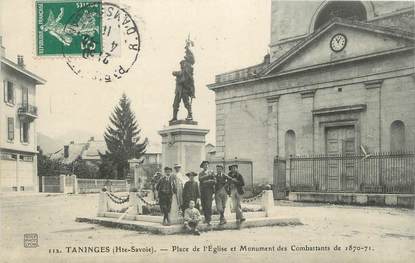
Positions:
(351, 10)
(290, 143)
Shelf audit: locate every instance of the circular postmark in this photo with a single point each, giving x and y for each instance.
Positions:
(109, 42)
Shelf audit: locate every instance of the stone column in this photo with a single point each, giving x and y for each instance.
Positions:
(133, 204)
(374, 122)
(75, 184)
(268, 202)
(220, 131)
(134, 170)
(305, 143)
(373, 129)
(273, 140)
(102, 203)
(62, 183)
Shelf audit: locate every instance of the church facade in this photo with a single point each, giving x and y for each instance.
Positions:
(339, 80)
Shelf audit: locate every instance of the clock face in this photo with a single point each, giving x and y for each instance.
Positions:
(338, 42)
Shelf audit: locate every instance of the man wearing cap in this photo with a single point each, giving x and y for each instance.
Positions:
(179, 180)
(221, 195)
(207, 188)
(166, 188)
(236, 182)
(191, 192)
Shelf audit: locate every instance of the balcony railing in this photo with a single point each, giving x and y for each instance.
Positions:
(27, 111)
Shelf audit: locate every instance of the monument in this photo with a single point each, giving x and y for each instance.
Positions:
(183, 141)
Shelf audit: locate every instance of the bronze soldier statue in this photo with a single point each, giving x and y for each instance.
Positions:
(185, 88)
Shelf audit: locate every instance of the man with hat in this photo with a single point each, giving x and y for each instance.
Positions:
(191, 192)
(221, 193)
(166, 188)
(207, 188)
(179, 180)
(236, 182)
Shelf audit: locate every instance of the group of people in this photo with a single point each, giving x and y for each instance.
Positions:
(191, 196)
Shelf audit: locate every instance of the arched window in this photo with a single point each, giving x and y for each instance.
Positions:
(397, 136)
(289, 143)
(353, 10)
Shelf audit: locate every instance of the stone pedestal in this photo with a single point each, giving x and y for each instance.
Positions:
(102, 203)
(183, 143)
(268, 202)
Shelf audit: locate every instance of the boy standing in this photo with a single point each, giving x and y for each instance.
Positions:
(191, 191)
(165, 188)
(192, 218)
(221, 193)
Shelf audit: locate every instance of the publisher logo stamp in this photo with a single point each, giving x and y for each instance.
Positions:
(31, 240)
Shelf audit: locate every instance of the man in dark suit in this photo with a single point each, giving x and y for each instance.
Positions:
(207, 188)
(191, 191)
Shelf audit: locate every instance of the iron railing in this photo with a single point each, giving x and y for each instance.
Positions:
(27, 108)
(389, 172)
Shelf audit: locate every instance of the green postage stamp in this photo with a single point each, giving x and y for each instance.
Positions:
(68, 27)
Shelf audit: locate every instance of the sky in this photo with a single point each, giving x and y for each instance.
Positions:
(228, 35)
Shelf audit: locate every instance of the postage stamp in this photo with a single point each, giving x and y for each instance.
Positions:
(62, 28)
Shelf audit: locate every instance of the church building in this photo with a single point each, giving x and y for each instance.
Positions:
(339, 80)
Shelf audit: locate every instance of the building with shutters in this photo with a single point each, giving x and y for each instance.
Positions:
(18, 115)
(339, 80)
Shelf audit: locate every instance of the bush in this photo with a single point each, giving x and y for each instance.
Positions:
(256, 190)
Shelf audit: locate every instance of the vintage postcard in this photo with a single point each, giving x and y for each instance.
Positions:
(207, 131)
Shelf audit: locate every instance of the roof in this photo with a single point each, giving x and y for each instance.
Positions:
(337, 21)
(307, 40)
(38, 80)
(92, 150)
(75, 151)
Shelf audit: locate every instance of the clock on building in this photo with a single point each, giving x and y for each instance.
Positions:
(338, 42)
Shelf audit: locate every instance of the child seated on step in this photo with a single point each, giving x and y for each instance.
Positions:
(191, 218)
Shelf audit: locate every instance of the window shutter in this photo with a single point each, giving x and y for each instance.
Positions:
(14, 93)
(5, 90)
(10, 129)
(21, 131)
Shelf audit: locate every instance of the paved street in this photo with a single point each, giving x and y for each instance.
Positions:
(377, 234)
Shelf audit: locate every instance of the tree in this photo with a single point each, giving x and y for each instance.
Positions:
(107, 169)
(122, 137)
(48, 167)
(83, 169)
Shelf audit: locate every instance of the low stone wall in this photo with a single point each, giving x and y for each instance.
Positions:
(73, 185)
(96, 185)
(393, 200)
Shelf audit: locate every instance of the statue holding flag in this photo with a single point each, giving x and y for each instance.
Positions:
(185, 87)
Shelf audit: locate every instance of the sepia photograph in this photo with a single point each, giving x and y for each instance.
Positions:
(207, 131)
